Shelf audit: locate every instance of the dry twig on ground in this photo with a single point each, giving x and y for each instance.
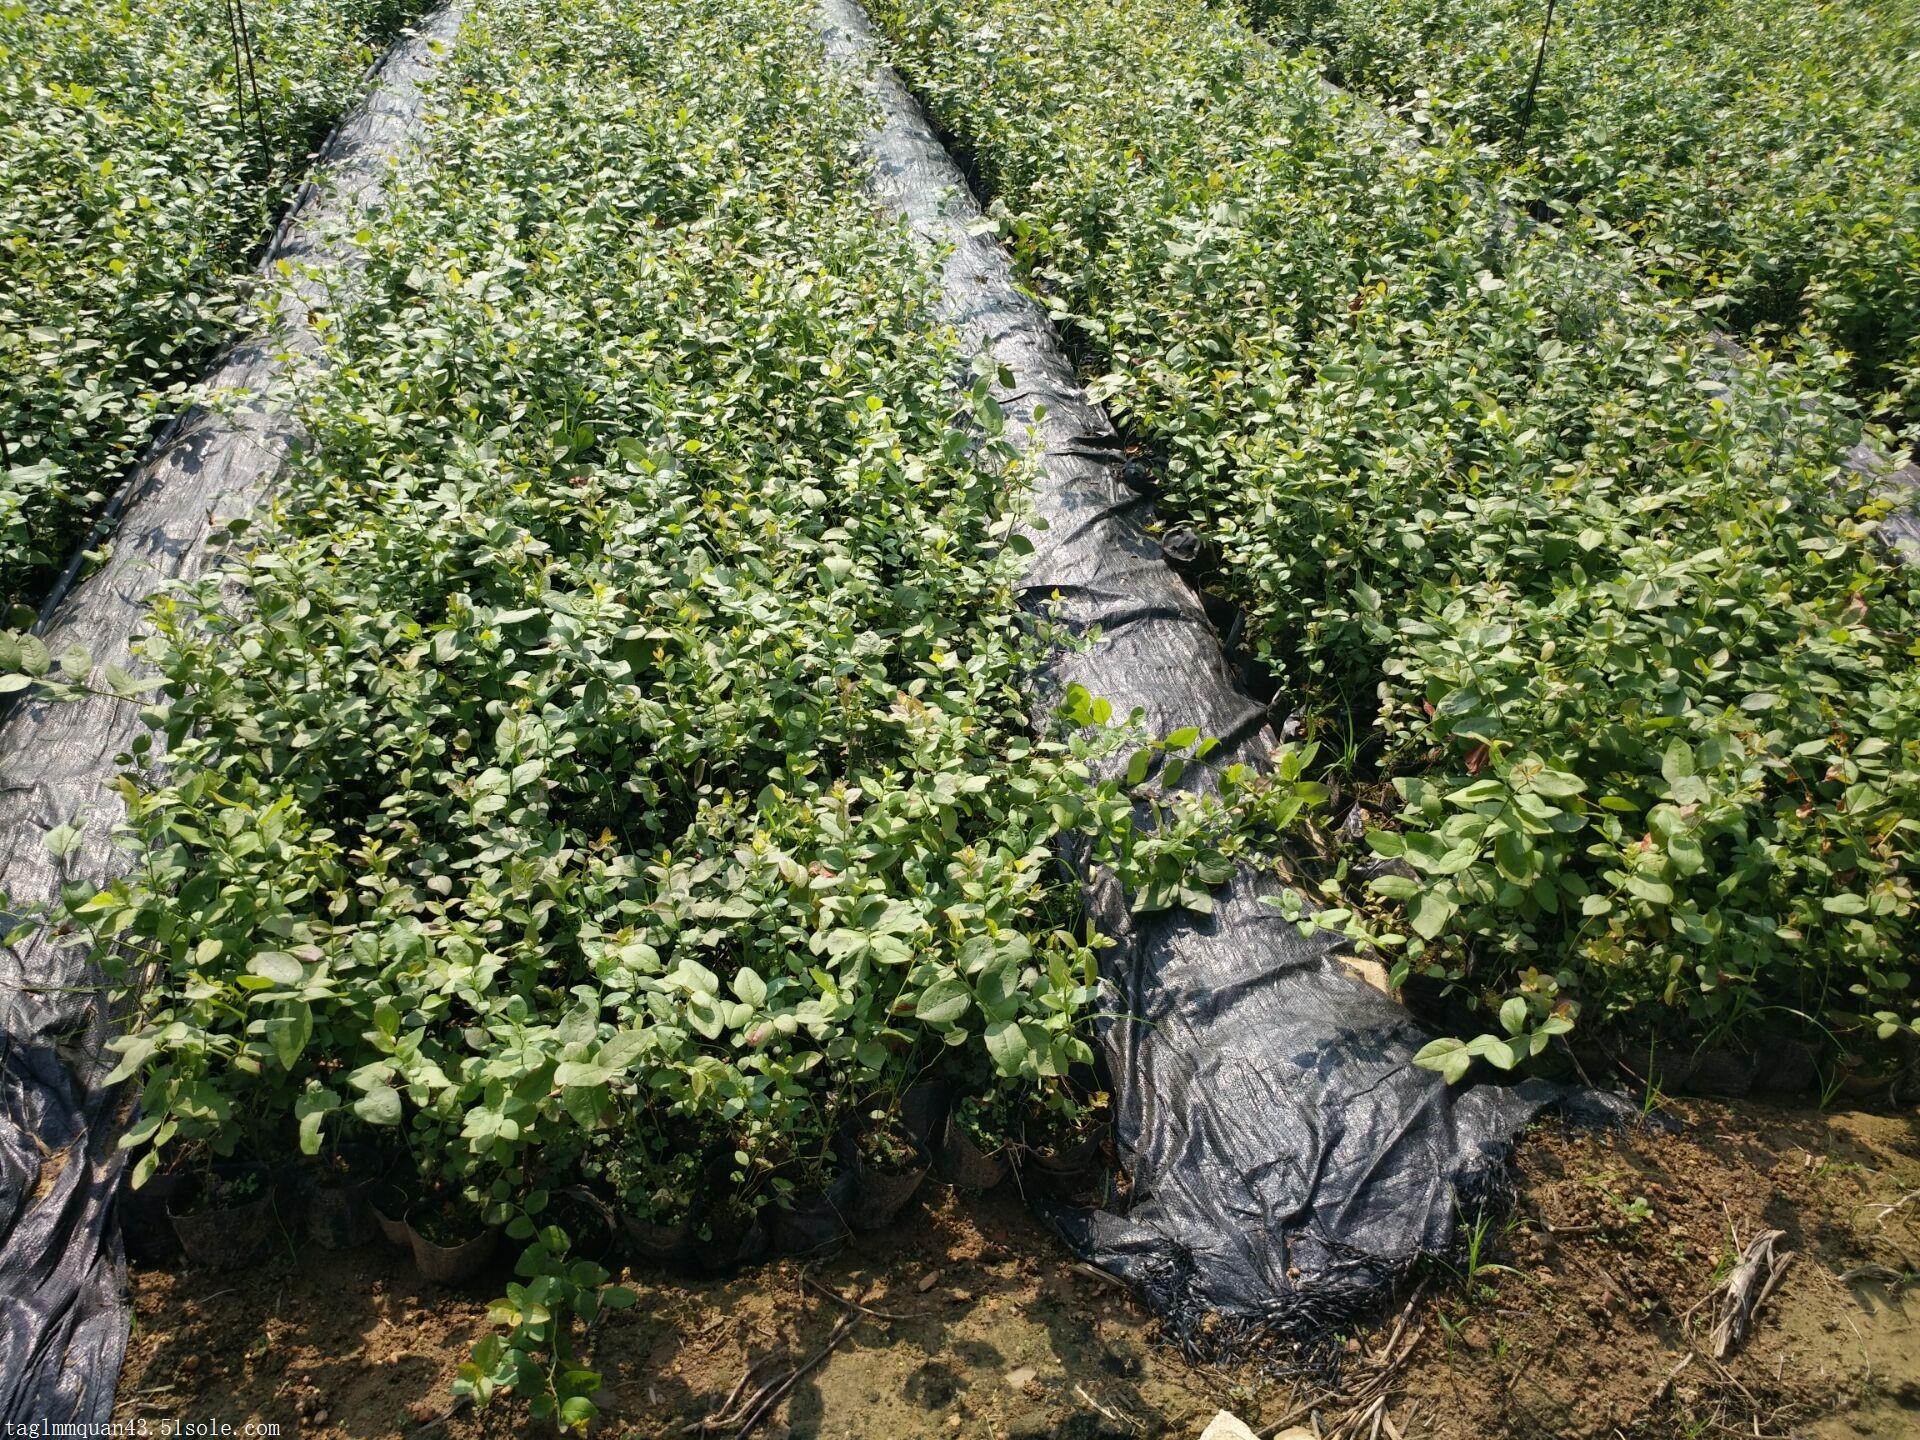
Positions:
(1746, 1288)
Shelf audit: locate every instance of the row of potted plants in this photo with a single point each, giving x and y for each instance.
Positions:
(145, 152)
(1591, 617)
(702, 1206)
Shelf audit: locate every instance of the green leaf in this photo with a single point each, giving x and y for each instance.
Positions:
(748, 985)
(1513, 856)
(1502, 1053)
(1478, 793)
(1648, 888)
(379, 1106)
(63, 840)
(1009, 1048)
(1448, 1056)
(310, 1127)
(277, 966)
(1428, 914)
(289, 1030)
(135, 1051)
(1678, 762)
(945, 1002)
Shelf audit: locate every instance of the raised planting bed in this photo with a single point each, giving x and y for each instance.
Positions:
(146, 151)
(1759, 156)
(1614, 677)
(1252, 1072)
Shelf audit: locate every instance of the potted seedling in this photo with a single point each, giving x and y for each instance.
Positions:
(728, 1225)
(146, 1227)
(727, 1233)
(453, 1225)
(204, 1105)
(395, 1194)
(340, 1183)
(812, 1205)
(1062, 1134)
(225, 1216)
(888, 1165)
(813, 1193)
(224, 1058)
(449, 1232)
(975, 1147)
(656, 1207)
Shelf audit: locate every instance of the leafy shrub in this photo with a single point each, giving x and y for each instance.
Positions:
(1610, 619)
(1762, 156)
(132, 187)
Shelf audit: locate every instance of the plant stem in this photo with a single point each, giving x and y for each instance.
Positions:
(1533, 84)
(246, 79)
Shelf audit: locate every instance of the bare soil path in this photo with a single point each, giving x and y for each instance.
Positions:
(1584, 1318)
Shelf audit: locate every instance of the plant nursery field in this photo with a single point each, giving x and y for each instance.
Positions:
(597, 908)
(1623, 645)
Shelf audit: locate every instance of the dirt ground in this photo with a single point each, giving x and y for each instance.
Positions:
(1583, 1317)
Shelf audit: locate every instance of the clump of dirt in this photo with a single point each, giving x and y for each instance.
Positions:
(1578, 1313)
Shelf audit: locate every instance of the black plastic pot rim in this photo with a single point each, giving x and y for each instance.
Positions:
(191, 1184)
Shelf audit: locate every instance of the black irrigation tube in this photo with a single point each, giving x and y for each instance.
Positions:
(1288, 1161)
(63, 1328)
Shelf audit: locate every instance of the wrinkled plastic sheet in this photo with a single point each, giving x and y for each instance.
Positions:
(63, 1316)
(1288, 1161)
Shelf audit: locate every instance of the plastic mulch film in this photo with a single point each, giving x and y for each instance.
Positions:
(1287, 1159)
(63, 1323)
